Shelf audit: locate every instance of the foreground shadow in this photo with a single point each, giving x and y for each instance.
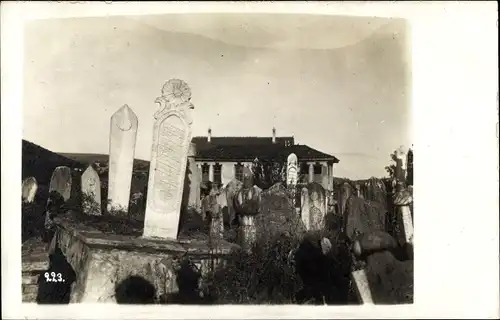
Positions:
(54, 285)
(188, 278)
(135, 290)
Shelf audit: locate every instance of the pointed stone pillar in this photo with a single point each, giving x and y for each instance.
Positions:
(122, 139)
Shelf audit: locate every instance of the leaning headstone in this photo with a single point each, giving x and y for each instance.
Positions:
(91, 191)
(304, 210)
(61, 181)
(30, 187)
(122, 139)
(291, 172)
(171, 139)
(317, 206)
(362, 286)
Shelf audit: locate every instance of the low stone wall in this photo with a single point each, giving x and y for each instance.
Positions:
(102, 261)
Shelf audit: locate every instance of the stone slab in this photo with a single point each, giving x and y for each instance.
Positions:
(104, 261)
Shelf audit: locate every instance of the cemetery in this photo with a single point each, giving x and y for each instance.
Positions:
(134, 235)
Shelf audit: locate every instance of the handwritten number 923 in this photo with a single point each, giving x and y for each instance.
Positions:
(53, 277)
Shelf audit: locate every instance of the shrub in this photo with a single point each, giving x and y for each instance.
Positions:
(263, 276)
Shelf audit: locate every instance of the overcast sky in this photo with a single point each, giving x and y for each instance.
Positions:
(338, 84)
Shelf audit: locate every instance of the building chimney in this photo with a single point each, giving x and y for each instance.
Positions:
(209, 137)
(274, 135)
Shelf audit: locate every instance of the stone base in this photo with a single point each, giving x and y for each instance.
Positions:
(108, 267)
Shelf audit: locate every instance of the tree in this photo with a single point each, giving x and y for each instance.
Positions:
(267, 172)
(409, 168)
(391, 169)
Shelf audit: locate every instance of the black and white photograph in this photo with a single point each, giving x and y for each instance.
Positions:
(218, 159)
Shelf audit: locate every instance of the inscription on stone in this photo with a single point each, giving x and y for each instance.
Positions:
(171, 140)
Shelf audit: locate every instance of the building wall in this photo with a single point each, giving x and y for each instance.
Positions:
(228, 172)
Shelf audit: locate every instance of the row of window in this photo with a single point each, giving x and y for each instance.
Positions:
(205, 169)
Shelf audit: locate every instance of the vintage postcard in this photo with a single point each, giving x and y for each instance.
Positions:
(231, 157)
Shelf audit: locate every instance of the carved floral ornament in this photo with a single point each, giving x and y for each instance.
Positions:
(175, 95)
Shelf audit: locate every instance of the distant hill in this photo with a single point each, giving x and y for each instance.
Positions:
(102, 159)
(40, 162)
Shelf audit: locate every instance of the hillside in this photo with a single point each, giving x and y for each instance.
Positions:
(40, 162)
(102, 160)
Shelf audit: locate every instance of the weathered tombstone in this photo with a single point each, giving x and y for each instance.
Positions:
(317, 206)
(247, 177)
(277, 189)
(231, 189)
(345, 192)
(362, 286)
(91, 192)
(61, 182)
(402, 202)
(194, 178)
(400, 172)
(122, 139)
(216, 219)
(171, 139)
(358, 191)
(304, 210)
(291, 172)
(277, 216)
(30, 187)
(375, 191)
(247, 204)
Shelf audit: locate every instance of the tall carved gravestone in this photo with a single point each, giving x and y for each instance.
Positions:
(317, 206)
(122, 138)
(91, 191)
(30, 187)
(292, 177)
(61, 181)
(291, 170)
(171, 139)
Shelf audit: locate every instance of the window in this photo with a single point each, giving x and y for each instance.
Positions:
(204, 172)
(238, 171)
(318, 168)
(304, 168)
(217, 173)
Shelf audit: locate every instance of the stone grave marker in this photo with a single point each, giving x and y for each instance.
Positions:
(30, 187)
(304, 210)
(317, 206)
(91, 191)
(194, 178)
(171, 139)
(362, 286)
(345, 192)
(61, 182)
(122, 139)
(231, 190)
(291, 172)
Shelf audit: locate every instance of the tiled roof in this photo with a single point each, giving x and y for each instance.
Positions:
(202, 142)
(249, 148)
